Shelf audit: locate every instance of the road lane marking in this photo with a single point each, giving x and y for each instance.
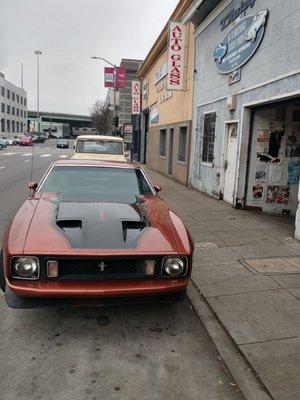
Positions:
(26, 160)
(63, 156)
(2, 167)
(45, 155)
(26, 154)
(8, 154)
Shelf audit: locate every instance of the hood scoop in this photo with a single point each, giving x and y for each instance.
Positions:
(69, 224)
(131, 228)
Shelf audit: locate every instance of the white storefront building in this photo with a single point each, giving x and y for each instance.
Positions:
(13, 109)
(246, 136)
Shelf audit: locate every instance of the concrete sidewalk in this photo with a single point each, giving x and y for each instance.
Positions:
(247, 266)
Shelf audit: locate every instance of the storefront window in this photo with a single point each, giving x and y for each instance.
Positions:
(208, 144)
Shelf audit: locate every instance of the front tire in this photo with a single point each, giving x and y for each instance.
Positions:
(1, 147)
(2, 278)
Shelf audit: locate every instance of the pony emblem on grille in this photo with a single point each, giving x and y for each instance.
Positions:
(102, 266)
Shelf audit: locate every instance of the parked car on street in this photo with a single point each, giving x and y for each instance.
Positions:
(94, 231)
(41, 139)
(26, 141)
(9, 142)
(3, 144)
(94, 147)
(62, 144)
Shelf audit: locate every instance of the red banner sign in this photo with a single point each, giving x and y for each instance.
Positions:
(109, 77)
(136, 97)
(176, 56)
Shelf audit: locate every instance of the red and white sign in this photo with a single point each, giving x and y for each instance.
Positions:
(176, 56)
(109, 77)
(136, 97)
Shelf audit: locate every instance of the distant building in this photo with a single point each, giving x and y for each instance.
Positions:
(60, 124)
(13, 109)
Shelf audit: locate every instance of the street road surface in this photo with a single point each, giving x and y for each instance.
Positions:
(142, 352)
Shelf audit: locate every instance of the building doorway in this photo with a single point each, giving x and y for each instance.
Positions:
(170, 157)
(230, 159)
(274, 164)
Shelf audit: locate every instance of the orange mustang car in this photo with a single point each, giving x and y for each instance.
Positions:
(94, 232)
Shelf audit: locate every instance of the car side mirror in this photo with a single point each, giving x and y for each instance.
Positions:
(33, 185)
(157, 188)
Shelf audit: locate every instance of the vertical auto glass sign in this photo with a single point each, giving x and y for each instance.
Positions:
(176, 56)
(136, 96)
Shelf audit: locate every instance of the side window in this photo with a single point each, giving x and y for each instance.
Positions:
(182, 143)
(208, 145)
(162, 142)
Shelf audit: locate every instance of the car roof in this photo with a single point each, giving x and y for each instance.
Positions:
(94, 163)
(100, 137)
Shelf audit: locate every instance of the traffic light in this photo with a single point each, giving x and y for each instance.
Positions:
(115, 121)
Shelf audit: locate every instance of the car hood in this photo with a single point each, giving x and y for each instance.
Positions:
(77, 228)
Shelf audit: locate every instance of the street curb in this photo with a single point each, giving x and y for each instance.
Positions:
(242, 372)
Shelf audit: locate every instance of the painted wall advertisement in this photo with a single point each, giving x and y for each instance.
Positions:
(240, 43)
(136, 97)
(175, 61)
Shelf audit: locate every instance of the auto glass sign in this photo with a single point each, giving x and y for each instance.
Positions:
(176, 56)
(240, 43)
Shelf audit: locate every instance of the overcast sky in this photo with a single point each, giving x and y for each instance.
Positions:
(69, 32)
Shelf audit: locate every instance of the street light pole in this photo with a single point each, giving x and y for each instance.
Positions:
(38, 53)
(114, 87)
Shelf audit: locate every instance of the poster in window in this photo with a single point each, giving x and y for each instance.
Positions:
(257, 192)
(278, 195)
(270, 144)
(261, 173)
(293, 172)
(292, 146)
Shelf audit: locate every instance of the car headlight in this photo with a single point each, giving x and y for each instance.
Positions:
(25, 268)
(174, 266)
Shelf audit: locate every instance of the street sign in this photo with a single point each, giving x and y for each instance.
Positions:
(127, 137)
(127, 128)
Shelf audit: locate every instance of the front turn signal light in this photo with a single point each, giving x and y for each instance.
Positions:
(149, 267)
(52, 269)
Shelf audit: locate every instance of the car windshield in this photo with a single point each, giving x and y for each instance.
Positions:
(82, 183)
(99, 147)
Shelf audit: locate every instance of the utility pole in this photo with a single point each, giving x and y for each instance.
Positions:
(38, 53)
(115, 112)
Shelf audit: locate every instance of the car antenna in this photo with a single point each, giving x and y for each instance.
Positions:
(31, 166)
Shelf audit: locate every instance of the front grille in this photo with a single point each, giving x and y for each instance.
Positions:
(101, 268)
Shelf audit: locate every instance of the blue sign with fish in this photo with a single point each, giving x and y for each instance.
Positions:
(240, 43)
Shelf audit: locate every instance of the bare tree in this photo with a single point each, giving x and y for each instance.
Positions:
(101, 117)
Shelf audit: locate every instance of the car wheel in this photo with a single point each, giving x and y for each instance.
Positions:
(2, 279)
(1, 147)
